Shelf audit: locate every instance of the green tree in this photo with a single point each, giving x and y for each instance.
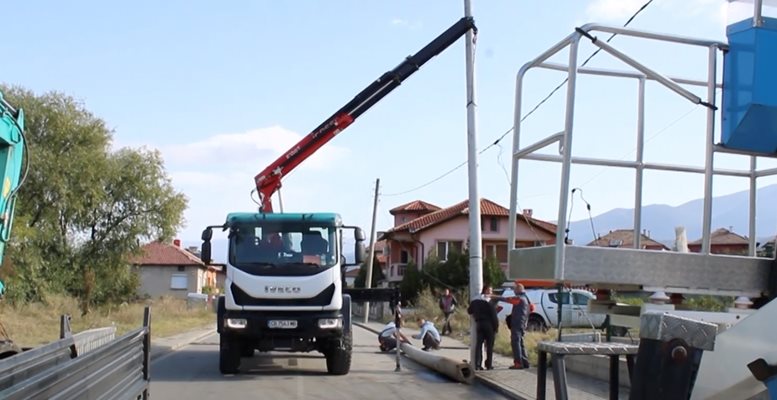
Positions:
(412, 284)
(85, 208)
(377, 274)
(492, 273)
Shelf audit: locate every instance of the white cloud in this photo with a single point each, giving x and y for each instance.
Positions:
(405, 23)
(244, 152)
(217, 172)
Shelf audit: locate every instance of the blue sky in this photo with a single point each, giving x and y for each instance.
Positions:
(223, 89)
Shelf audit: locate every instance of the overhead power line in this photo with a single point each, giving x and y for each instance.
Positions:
(535, 108)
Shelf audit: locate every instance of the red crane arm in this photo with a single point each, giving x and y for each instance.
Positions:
(269, 180)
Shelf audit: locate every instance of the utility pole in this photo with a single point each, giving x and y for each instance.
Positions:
(368, 283)
(475, 239)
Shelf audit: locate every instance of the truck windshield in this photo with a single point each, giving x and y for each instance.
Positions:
(282, 249)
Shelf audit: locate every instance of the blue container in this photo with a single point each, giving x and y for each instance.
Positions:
(771, 385)
(750, 87)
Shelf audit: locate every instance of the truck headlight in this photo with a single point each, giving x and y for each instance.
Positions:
(237, 323)
(330, 323)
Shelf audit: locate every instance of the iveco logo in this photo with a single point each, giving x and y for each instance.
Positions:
(282, 289)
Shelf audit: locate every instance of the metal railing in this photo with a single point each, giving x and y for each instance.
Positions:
(98, 367)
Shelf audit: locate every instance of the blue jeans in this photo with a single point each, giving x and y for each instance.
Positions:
(519, 350)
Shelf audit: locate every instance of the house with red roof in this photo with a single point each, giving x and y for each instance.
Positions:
(723, 241)
(422, 229)
(166, 269)
(624, 238)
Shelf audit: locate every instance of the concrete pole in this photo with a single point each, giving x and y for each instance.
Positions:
(368, 283)
(475, 239)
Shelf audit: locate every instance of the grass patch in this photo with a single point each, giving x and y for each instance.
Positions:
(426, 306)
(34, 324)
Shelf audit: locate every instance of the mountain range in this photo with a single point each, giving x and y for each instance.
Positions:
(659, 220)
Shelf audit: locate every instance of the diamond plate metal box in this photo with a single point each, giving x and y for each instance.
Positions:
(665, 327)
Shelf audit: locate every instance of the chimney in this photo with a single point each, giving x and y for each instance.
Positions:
(527, 212)
(177, 242)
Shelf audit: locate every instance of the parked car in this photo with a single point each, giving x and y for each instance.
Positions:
(574, 309)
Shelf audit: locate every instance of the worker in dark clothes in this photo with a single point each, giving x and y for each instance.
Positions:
(486, 326)
(518, 320)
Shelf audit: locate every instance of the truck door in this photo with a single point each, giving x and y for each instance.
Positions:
(579, 308)
(551, 309)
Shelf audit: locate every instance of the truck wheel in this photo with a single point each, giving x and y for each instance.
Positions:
(338, 359)
(536, 324)
(247, 351)
(229, 355)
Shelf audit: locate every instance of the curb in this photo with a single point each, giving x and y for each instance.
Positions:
(185, 340)
(504, 391)
(490, 383)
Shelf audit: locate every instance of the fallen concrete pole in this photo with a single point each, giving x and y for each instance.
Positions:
(459, 371)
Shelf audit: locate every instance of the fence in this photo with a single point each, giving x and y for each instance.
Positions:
(91, 364)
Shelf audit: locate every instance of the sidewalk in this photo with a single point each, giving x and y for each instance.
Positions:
(165, 345)
(515, 384)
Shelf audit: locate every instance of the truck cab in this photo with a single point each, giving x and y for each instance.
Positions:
(284, 287)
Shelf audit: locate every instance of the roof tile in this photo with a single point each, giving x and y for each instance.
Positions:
(416, 205)
(487, 208)
(158, 253)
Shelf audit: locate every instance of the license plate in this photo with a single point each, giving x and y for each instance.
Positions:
(282, 324)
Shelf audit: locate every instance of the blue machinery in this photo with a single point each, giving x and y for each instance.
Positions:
(748, 117)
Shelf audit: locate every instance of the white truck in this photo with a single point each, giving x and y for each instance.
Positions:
(284, 288)
(574, 309)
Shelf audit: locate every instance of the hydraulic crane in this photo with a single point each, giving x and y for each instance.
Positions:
(284, 288)
(269, 180)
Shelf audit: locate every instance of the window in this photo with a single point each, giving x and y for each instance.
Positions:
(580, 299)
(490, 251)
(402, 270)
(444, 248)
(181, 268)
(564, 298)
(404, 257)
(179, 281)
(490, 224)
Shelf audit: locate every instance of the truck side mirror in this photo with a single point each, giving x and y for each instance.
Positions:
(359, 234)
(207, 234)
(359, 253)
(205, 252)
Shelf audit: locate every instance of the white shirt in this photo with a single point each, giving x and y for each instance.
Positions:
(388, 330)
(428, 326)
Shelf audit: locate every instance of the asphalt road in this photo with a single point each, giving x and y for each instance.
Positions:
(192, 373)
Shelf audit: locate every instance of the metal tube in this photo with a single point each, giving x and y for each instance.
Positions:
(621, 74)
(569, 119)
(539, 145)
(651, 35)
(757, 10)
(513, 218)
(640, 168)
(709, 149)
(475, 240)
(647, 71)
(766, 172)
(752, 215)
(633, 164)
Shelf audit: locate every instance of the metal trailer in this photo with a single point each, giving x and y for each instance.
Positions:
(744, 335)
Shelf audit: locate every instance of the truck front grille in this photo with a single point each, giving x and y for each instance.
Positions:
(243, 299)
